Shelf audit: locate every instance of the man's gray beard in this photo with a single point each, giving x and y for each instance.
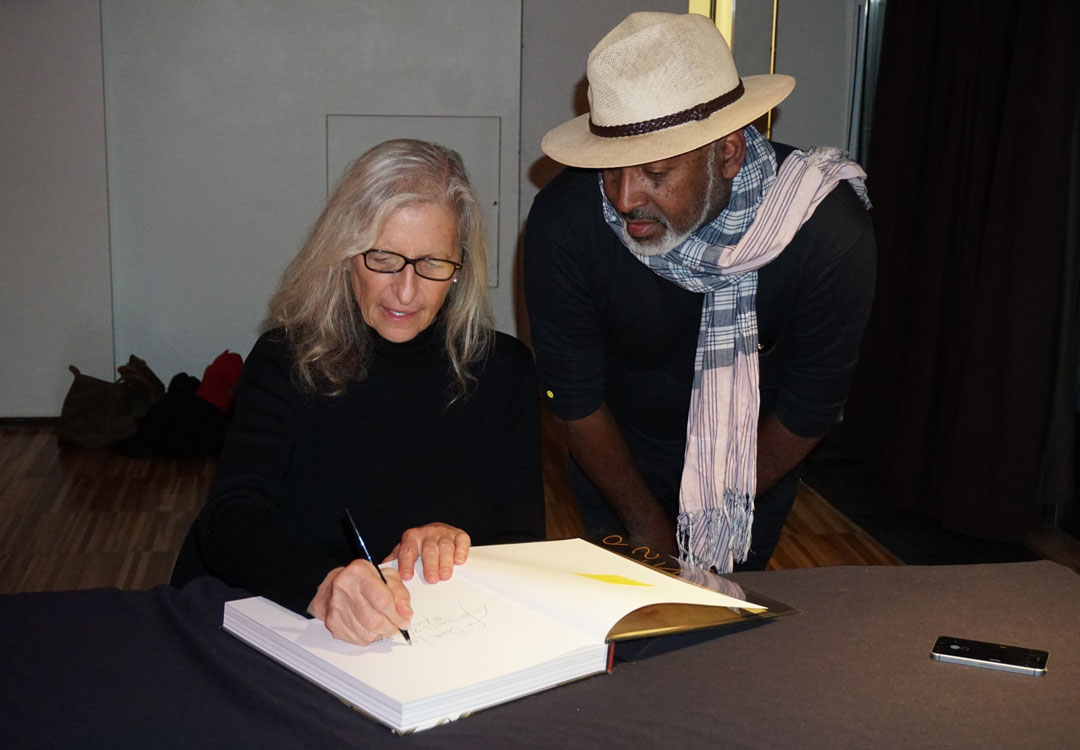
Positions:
(670, 239)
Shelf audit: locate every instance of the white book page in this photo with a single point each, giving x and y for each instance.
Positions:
(579, 583)
(461, 635)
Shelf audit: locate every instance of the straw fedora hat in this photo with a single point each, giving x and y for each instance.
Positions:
(661, 84)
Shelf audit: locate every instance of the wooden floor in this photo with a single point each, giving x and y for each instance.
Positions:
(72, 518)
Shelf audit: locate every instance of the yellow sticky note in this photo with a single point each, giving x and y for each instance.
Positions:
(616, 579)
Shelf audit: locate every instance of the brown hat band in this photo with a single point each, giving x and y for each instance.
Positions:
(697, 112)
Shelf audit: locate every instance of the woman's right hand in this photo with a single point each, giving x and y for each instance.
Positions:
(356, 606)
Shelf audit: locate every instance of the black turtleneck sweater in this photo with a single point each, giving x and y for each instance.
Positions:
(390, 449)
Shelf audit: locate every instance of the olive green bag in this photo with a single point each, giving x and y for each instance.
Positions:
(97, 413)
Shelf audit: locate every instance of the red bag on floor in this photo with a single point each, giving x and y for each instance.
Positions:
(219, 380)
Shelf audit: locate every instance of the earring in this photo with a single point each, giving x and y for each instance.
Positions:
(454, 281)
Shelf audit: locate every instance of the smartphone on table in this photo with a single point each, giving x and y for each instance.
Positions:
(990, 655)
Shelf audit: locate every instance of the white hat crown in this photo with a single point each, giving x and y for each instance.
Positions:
(661, 84)
(653, 65)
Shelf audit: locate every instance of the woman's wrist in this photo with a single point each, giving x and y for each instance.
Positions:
(317, 606)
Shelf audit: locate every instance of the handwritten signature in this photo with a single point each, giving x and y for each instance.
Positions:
(430, 628)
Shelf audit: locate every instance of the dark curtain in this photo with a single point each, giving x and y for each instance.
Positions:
(964, 397)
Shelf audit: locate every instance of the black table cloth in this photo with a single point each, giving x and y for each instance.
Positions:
(113, 669)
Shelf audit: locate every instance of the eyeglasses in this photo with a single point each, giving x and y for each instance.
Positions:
(435, 269)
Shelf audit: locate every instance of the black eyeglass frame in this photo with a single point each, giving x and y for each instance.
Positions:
(405, 261)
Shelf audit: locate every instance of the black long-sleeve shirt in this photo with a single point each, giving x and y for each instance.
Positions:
(390, 449)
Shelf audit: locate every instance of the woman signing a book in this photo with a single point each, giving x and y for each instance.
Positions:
(382, 389)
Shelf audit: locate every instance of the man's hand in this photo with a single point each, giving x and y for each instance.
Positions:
(656, 532)
(439, 546)
(356, 606)
(598, 447)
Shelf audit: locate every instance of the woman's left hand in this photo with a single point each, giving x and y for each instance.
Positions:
(439, 546)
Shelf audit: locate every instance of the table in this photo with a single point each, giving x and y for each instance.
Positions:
(106, 668)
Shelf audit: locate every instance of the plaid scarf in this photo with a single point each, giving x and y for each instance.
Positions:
(766, 208)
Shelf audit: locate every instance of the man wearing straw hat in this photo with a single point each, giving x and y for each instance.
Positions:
(696, 296)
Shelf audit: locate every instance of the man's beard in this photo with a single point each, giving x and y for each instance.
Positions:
(714, 201)
(666, 242)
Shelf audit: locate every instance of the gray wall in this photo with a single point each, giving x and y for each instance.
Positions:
(55, 300)
(220, 121)
(226, 122)
(815, 42)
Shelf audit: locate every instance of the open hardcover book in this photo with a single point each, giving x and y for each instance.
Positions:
(515, 619)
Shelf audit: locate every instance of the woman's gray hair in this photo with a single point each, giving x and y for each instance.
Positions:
(330, 341)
